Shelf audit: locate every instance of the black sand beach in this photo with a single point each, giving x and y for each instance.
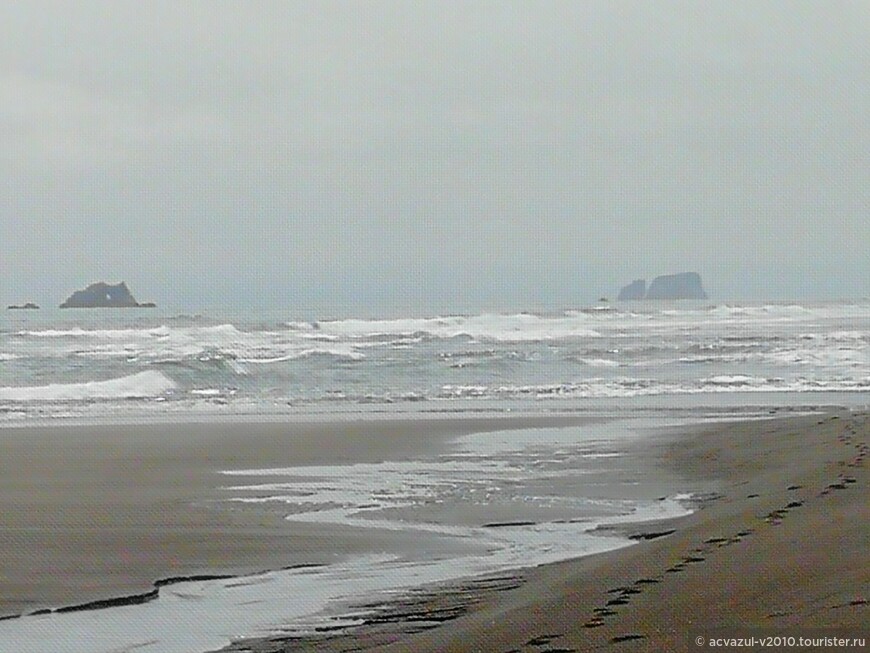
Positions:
(90, 513)
(778, 545)
(780, 549)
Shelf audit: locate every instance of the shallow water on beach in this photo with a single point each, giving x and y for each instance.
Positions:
(491, 502)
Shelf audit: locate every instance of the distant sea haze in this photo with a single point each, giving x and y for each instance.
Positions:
(60, 364)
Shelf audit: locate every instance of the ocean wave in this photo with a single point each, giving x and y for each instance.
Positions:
(708, 360)
(197, 359)
(733, 310)
(594, 362)
(768, 310)
(487, 358)
(78, 332)
(626, 388)
(212, 392)
(838, 336)
(162, 331)
(302, 326)
(737, 380)
(522, 327)
(136, 386)
(347, 353)
(823, 358)
(217, 344)
(652, 350)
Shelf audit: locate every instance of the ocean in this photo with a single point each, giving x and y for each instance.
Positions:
(56, 364)
(483, 503)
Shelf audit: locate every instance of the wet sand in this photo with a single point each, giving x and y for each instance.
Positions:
(90, 513)
(781, 547)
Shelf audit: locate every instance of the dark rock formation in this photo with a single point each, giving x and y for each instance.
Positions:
(27, 306)
(103, 295)
(635, 290)
(686, 285)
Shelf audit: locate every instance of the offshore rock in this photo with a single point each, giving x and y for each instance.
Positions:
(635, 290)
(103, 295)
(18, 307)
(686, 285)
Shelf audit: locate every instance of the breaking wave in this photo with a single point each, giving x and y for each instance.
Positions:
(522, 327)
(136, 386)
(626, 388)
(269, 361)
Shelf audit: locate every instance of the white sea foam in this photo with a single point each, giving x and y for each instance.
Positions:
(273, 359)
(650, 350)
(827, 357)
(347, 352)
(759, 311)
(104, 334)
(486, 470)
(495, 328)
(736, 379)
(635, 387)
(165, 344)
(598, 362)
(140, 385)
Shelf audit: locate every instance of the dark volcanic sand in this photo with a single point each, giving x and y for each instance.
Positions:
(94, 512)
(784, 550)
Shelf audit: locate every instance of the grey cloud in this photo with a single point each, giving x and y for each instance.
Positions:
(490, 152)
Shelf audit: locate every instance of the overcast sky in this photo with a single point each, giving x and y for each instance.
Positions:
(432, 155)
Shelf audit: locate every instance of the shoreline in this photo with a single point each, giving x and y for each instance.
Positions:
(740, 467)
(781, 548)
(746, 405)
(101, 513)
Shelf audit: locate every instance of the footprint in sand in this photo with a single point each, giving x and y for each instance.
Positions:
(627, 638)
(842, 483)
(594, 623)
(541, 640)
(619, 601)
(775, 517)
(623, 590)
